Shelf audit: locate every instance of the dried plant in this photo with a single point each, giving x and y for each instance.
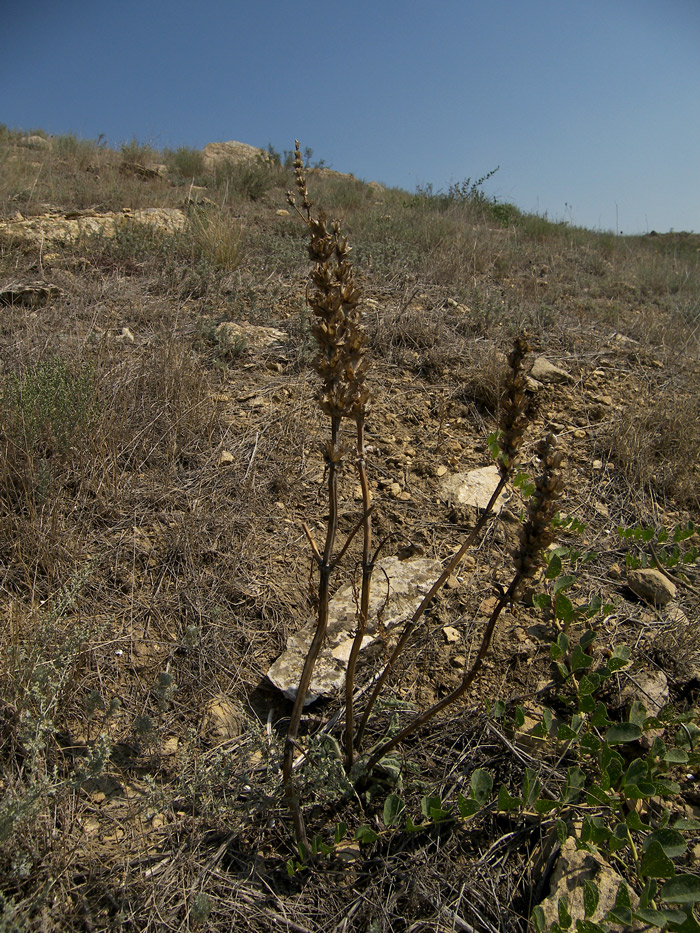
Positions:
(342, 365)
(536, 535)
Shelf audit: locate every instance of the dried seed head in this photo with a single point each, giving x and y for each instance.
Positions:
(334, 298)
(514, 408)
(537, 532)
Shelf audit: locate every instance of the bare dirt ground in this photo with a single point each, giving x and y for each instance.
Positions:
(157, 473)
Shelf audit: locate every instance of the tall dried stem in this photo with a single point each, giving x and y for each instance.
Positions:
(342, 365)
(536, 536)
(513, 421)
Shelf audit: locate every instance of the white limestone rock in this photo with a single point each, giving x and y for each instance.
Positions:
(398, 588)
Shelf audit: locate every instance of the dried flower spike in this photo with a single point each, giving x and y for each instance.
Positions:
(537, 532)
(514, 408)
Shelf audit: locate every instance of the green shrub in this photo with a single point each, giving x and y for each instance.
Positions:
(135, 151)
(49, 405)
(186, 162)
(251, 178)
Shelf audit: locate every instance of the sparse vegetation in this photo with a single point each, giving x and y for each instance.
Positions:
(154, 484)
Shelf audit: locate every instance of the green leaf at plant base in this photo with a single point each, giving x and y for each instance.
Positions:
(623, 732)
(498, 710)
(579, 659)
(467, 806)
(365, 835)
(431, 808)
(670, 841)
(590, 743)
(538, 919)
(665, 787)
(481, 786)
(599, 719)
(685, 825)
(393, 807)
(531, 787)
(562, 831)
(595, 829)
(620, 658)
(563, 912)
(658, 918)
(430, 803)
(575, 782)
(634, 821)
(637, 784)
(553, 567)
(676, 756)
(563, 609)
(683, 889)
(542, 601)
(637, 713)
(597, 797)
(505, 801)
(588, 683)
(563, 583)
(341, 832)
(655, 863)
(591, 896)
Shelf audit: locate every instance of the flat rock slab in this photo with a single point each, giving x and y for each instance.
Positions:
(66, 228)
(29, 295)
(473, 489)
(544, 371)
(397, 590)
(254, 336)
(217, 153)
(572, 869)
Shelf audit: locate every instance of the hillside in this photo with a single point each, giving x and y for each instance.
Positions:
(163, 450)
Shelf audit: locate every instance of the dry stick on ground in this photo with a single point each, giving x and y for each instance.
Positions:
(536, 535)
(513, 421)
(342, 364)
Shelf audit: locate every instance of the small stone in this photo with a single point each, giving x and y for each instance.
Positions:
(579, 434)
(472, 489)
(451, 634)
(282, 213)
(126, 335)
(615, 572)
(597, 464)
(675, 614)
(223, 719)
(651, 586)
(544, 371)
(225, 457)
(404, 496)
(395, 490)
(170, 745)
(441, 470)
(650, 688)
(488, 605)
(458, 661)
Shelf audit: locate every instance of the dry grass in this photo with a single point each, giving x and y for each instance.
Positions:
(144, 576)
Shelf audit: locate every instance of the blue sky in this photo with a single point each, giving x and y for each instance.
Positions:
(591, 108)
